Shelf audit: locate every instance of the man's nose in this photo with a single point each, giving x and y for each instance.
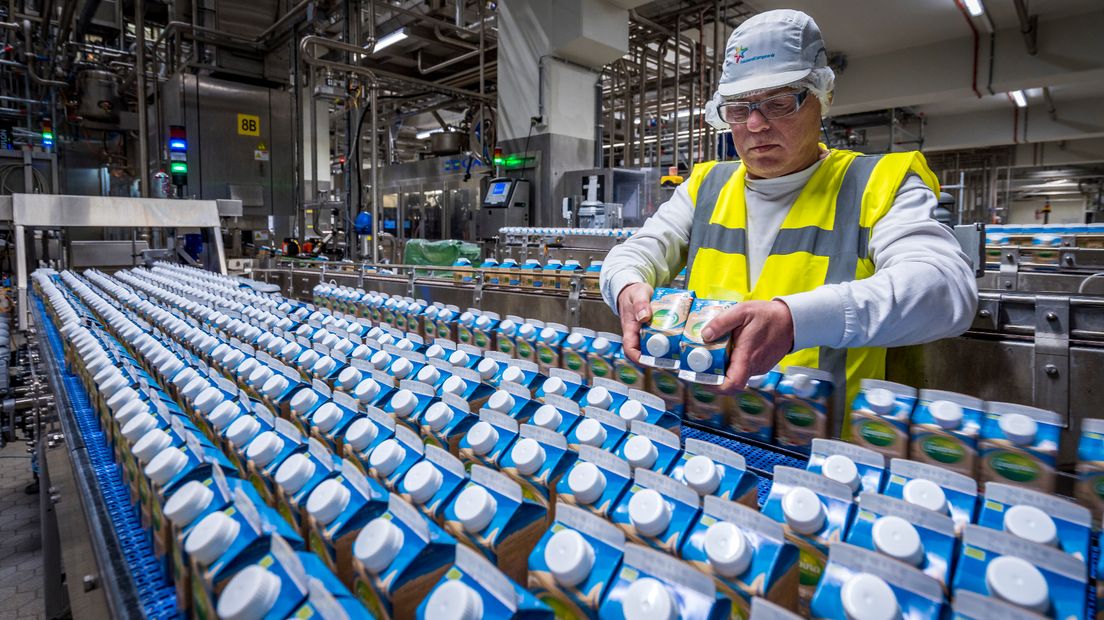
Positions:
(757, 122)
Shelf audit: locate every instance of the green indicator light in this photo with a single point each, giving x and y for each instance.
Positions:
(47, 135)
(179, 167)
(498, 161)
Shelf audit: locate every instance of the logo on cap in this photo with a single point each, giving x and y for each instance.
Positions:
(739, 55)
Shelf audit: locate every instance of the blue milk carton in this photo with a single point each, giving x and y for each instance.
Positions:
(329, 421)
(603, 349)
(652, 584)
(590, 280)
(745, 552)
(513, 400)
(595, 482)
(474, 589)
(816, 512)
(1038, 517)
(365, 433)
(394, 457)
(434, 373)
(605, 394)
(861, 469)
(750, 411)
(485, 330)
(528, 336)
(714, 470)
(337, 510)
(488, 439)
(409, 402)
(803, 405)
(271, 588)
(1036, 577)
(934, 488)
(557, 414)
(446, 422)
(267, 451)
(465, 323)
(466, 384)
(660, 339)
(549, 345)
(297, 478)
(880, 416)
(433, 481)
(598, 428)
(573, 355)
(1090, 466)
(506, 335)
(700, 361)
(657, 511)
(973, 606)
(537, 461)
(916, 536)
(945, 429)
(859, 583)
(327, 597)
(530, 273)
(560, 382)
(445, 322)
(1019, 445)
(648, 446)
(573, 565)
(490, 514)
(398, 557)
(649, 408)
(523, 373)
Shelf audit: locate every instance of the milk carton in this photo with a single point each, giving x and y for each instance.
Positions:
(660, 339)
(573, 565)
(603, 349)
(514, 400)
(491, 514)
(394, 457)
(523, 373)
(880, 416)
(652, 584)
(700, 361)
(916, 536)
(548, 346)
(188, 504)
(1019, 445)
(861, 469)
(337, 510)
(530, 273)
(816, 512)
(762, 609)
(398, 557)
(433, 481)
(629, 373)
(365, 433)
(1033, 576)
(557, 414)
(573, 355)
(745, 552)
(642, 406)
(537, 461)
(670, 388)
(488, 439)
(945, 429)
(528, 336)
(752, 413)
(329, 421)
(409, 402)
(434, 373)
(473, 588)
(591, 277)
(714, 470)
(595, 482)
(569, 270)
(327, 597)
(803, 405)
(274, 586)
(562, 383)
(484, 330)
(465, 383)
(297, 478)
(445, 322)
(656, 511)
(859, 583)
(1037, 517)
(465, 324)
(446, 422)
(490, 366)
(648, 446)
(598, 428)
(1090, 466)
(267, 451)
(973, 606)
(934, 488)
(506, 334)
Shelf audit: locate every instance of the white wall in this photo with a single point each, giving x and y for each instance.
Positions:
(1061, 212)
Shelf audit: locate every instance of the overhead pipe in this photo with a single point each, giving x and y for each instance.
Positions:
(428, 19)
(30, 55)
(1029, 27)
(446, 63)
(140, 72)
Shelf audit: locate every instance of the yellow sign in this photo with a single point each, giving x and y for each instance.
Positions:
(249, 125)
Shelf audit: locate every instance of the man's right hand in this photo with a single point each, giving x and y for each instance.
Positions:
(634, 305)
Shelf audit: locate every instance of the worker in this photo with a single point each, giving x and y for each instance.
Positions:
(833, 254)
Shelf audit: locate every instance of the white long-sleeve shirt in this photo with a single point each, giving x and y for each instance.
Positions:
(923, 288)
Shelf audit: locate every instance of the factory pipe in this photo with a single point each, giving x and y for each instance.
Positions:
(29, 53)
(140, 73)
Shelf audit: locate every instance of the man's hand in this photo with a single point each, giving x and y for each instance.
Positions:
(762, 334)
(634, 305)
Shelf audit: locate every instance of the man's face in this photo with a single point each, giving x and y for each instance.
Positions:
(780, 146)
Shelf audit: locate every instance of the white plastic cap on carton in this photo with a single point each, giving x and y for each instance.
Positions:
(880, 400)
(264, 448)
(528, 455)
(803, 385)
(701, 474)
(454, 600)
(438, 415)
(188, 502)
(649, 512)
(842, 469)
(640, 451)
(435, 351)
(657, 345)
(552, 385)
(590, 432)
(295, 472)
(587, 482)
(548, 417)
(422, 481)
(1031, 523)
(403, 402)
(1018, 428)
(260, 375)
(569, 557)
(380, 359)
(486, 368)
(327, 501)
(482, 436)
(513, 374)
(648, 599)
(208, 399)
(428, 375)
(223, 414)
(378, 544)
(243, 430)
(303, 400)
(527, 330)
(632, 410)
(1017, 581)
(211, 537)
(897, 538)
(574, 340)
(307, 358)
(454, 385)
(139, 425)
(926, 494)
(360, 433)
(868, 597)
(501, 401)
(151, 444)
(249, 595)
(402, 368)
(387, 457)
(946, 414)
(699, 359)
(326, 417)
(548, 333)
(728, 549)
(803, 510)
(599, 397)
(367, 390)
(459, 358)
(475, 507)
(349, 377)
(274, 386)
(127, 412)
(600, 345)
(165, 465)
(193, 389)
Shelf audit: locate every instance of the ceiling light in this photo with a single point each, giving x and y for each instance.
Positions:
(974, 7)
(1019, 98)
(422, 135)
(389, 39)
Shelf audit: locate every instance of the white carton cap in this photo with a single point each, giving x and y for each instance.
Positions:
(260, 375)
(898, 539)
(657, 345)
(246, 366)
(547, 333)
(274, 386)
(290, 350)
(264, 448)
(188, 502)
(244, 429)
(569, 557)
(699, 359)
(380, 359)
(1031, 523)
(880, 400)
(553, 385)
(867, 597)
(422, 481)
(326, 417)
(165, 465)
(1017, 581)
(249, 595)
(454, 600)
(701, 474)
(402, 368)
(586, 482)
(367, 390)
(803, 510)
(486, 368)
(526, 330)
(632, 410)
(803, 385)
(640, 451)
(648, 599)
(127, 412)
(232, 357)
(349, 377)
(727, 549)
(387, 457)
(308, 358)
(599, 397)
(377, 544)
(590, 432)
(501, 401)
(513, 374)
(361, 351)
(548, 417)
(482, 436)
(207, 400)
(428, 375)
(435, 351)
(453, 385)
(295, 472)
(403, 402)
(528, 455)
(194, 387)
(1018, 428)
(139, 425)
(842, 469)
(475, 507)
(946, 414)
(574, 339)
(649, 512)
(360, 433)
(223, 414)
(211, 537)
(327, 501)
(925, 493)
(438, 415)
(459, 358)
(303, 400)
(151, 444)
(600, 345)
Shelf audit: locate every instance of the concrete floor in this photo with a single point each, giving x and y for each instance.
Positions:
(21, 579)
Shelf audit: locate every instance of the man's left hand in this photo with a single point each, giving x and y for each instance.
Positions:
(762, 334)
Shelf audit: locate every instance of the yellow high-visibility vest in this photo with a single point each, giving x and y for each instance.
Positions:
(823, 240)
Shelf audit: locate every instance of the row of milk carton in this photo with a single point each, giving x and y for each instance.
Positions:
(553, 274)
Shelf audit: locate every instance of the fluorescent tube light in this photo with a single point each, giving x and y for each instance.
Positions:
(1019, 98)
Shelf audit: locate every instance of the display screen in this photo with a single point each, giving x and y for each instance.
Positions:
(499, 188)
